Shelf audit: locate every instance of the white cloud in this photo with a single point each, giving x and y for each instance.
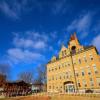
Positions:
(39, 45)
(32, 40)
(81, 24)
(96, 42)
(20, 42)
(28, 47)
(17, 55)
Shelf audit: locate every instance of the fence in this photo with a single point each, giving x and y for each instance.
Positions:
(68, 94)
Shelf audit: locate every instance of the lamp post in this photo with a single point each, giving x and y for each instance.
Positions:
(71, 54)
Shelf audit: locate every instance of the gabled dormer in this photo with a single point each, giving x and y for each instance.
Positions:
(53, 59)
(63, 52)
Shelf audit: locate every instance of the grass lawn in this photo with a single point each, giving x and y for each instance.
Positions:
(56, 97)
(66, 97)
(28, 98)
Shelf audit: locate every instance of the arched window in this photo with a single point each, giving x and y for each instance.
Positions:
(73, 49)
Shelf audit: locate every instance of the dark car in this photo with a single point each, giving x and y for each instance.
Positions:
(88, 91)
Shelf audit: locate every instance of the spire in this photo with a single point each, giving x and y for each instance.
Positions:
(73, 37)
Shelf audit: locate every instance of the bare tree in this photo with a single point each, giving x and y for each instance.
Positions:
(41, 77)
(26, 76)
(5, 70)
(41, 71)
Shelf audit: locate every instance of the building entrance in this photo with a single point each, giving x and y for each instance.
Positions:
(69, 87)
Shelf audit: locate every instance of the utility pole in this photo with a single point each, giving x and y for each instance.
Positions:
(74, 71)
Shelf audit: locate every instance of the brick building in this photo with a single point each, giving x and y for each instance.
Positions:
(76, 69)
(16, 88)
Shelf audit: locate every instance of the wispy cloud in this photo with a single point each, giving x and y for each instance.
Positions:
(81, 24)
(23, 42)
(60, 6)
(96, 42)
(5, 8)
(15, 8)
(17, 55)
(96, 28)
(28, 47)
(31, 46)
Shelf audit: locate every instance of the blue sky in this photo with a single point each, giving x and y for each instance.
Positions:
(32, 31)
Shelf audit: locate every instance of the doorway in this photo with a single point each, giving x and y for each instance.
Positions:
(69, 87)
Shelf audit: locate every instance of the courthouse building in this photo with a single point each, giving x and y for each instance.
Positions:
(76, 69)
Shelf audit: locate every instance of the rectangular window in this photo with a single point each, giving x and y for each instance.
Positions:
(95, 69)
(83, 73)
(79, 61)
(53, 87)
(60, 77)
(52, 78)
(91, 82)
(49, 70)
(62, 53)
(80, 49)
(76, 73)
(74, 63)
(55, 68)
(56, 77)
(49, 87)
(84, 83)
(68, 64)
(62, 64)
(78, 82)
(64, 76)
(98, 81)
(65, 52)
(89, 71)
(65, 64)
(85, 59)
(91, 79)
(67, 75)
(91, 57)
(59, 66)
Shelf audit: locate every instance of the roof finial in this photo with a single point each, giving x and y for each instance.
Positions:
(62, 45)
(75, 34)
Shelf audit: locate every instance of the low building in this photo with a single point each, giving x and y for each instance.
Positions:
(37, 87)
(2, 82)
(16, 88)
